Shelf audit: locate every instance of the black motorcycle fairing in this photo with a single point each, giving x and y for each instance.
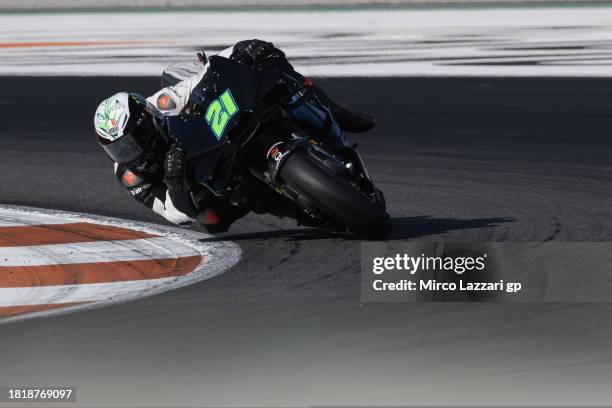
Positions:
(192, 132)
(251, 155)
(254, 93)
(256, 90)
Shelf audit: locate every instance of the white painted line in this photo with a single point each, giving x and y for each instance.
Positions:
(97, 251)
(9, 220)
(564, 41)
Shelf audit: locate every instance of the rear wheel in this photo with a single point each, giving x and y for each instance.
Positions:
(336, 197)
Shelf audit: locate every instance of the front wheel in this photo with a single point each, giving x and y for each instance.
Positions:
(336, 197)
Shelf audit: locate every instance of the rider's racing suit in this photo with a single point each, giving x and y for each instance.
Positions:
(148, 182)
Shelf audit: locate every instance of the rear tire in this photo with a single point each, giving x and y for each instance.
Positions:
(336, 197)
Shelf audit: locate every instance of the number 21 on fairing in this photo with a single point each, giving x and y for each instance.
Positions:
(219, 113)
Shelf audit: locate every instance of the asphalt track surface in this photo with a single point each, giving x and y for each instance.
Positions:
(459, 160)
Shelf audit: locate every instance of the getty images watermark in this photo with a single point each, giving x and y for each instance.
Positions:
(433, 271)
(397, 271)
(449, 264)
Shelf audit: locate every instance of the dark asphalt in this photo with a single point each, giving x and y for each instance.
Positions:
(458, 159)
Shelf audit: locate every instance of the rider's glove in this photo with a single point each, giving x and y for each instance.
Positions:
(174, 170)
(252, 52)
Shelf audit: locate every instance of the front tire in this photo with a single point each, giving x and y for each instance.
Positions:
(336, 197)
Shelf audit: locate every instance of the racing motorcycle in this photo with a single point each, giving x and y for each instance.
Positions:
(248, 153)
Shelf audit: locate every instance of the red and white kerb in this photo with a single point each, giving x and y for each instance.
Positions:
(51, 263)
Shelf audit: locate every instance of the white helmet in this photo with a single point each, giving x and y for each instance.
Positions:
(124, 127)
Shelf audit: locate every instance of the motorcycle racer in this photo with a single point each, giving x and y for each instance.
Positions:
(133, 133)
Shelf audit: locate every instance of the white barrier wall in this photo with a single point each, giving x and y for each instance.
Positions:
(98, 4)
(467, 41)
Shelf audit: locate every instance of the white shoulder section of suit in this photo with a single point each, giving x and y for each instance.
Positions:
(171, 101)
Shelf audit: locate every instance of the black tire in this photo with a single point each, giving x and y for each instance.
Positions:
(336, 197)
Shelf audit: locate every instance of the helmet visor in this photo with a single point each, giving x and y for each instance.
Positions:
(131, 146)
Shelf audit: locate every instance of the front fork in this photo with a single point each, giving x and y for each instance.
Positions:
(351, 155)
